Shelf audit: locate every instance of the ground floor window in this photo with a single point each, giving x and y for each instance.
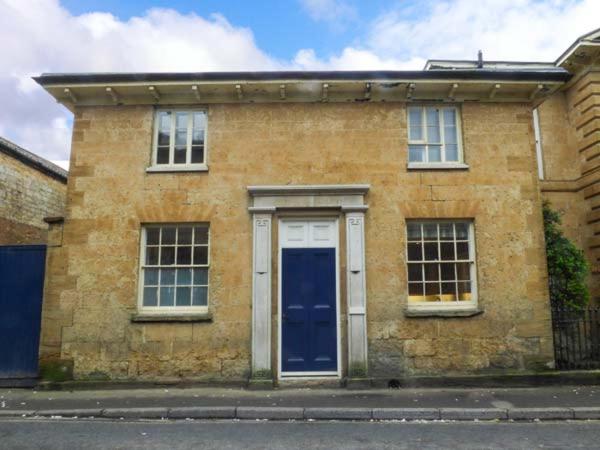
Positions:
(174, 268)
(441, 263)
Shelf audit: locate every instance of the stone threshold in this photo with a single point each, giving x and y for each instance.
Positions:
(313, 413)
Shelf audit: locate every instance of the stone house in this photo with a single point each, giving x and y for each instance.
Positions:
(286, 225)
(31, 189)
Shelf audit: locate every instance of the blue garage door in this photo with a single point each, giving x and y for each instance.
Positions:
(21, 290)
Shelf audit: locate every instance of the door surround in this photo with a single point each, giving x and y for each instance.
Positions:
(284, 242)
(265, 201)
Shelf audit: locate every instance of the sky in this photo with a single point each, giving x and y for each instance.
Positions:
(39, 36)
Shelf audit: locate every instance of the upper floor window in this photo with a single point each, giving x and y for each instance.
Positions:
(434, 136)
(180, 140)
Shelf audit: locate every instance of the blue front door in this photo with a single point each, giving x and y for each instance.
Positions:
(308, 331)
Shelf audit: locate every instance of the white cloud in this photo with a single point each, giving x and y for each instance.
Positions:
(336, 12)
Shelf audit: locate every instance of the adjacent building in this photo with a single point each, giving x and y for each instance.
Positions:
(285, 225)
(31, 190)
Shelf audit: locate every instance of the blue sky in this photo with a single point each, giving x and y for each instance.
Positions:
(227, 35)
(280, 27)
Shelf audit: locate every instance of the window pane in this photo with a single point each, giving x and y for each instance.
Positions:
(463, 271)
(162, 155)
(179, 156)
(415, 116)
(199, 120)
(168, 235)
(167, 255)
(415, 289)
(462, 250)
(448, 292)
(198, 137)
(183, 296)
(415, 252)
(167, 295)
(447, 249)
(432, 289)
(181, 120)
(434, 153)
(446, 231)
(200, 255)
(164, 120)
(184, 235)
(449, 135)
(163, 138)
(431, 251)
(197, 155)
(167, 277)
(151, 277)
(152, 236)
(415, 272)
(200, 276)
(184, 277)
(430, 232)
(199, 296)
(201, 235)
(462, 231)
(181, 138)
(431, 272)
(449, 116)
(447, 271)
(433, 125)
(451, 152)
(413, 231)
(184, 255)
(152, 256)
(150, 296)
(416, 153)
(464, 291)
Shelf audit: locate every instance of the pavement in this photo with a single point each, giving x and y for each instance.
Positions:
(76, 434)
(309, 404)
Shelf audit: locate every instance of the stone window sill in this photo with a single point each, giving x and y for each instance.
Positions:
(169, 169)
(414, 312)
(175, 318)
(437, 166)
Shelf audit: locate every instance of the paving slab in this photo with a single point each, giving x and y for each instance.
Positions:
(338, 413)
(406, 413)
(202, 412)
(271, 413)
(473, 414)
(540, 413)
(136, 413)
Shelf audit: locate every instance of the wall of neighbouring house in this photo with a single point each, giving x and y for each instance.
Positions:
(570, 125)
(26, 197)
(91, 289)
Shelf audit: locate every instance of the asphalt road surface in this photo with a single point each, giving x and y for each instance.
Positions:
(98, 434)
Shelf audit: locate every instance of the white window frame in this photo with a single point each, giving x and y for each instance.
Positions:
(171, 166)
(443, 164)
(463, 305)
(170, 310)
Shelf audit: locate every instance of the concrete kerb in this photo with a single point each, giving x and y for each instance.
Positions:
(299, 413)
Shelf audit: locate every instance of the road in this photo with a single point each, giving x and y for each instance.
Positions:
(68, 434)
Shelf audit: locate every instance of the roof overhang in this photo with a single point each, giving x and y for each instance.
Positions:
(582, 55)
(305, 86)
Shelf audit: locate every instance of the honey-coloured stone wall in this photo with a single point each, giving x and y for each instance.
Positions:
(91, 290)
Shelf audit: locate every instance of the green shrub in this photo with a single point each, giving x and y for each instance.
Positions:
(567, 267)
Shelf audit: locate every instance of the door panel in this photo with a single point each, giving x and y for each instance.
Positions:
(309, 327)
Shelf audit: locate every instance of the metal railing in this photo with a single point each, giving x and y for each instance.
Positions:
(576, 337)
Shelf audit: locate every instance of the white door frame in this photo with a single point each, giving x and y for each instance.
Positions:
(336, 226)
